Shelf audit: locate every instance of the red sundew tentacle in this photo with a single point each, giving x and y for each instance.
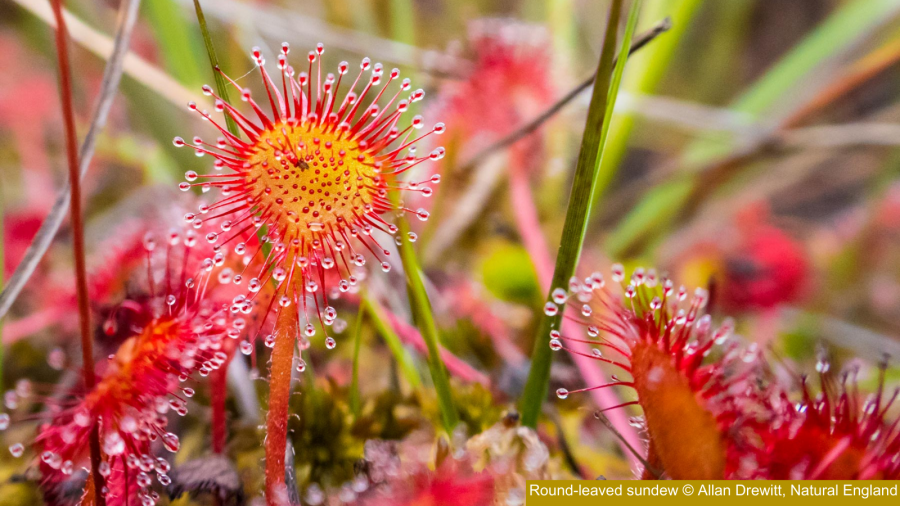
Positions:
(250, 129)
(342, 69)
(620, 365)
(377, 134)
(614, 384)
(620, 351)
(278, 111)
(618, 406)
(351, 97)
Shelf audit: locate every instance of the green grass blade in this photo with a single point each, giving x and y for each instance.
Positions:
(355, 398)
(391, 339)
(645, 72)
(403, 21)
(584, 184)
(222, 89)
(176, 40)
(424, 317)
(221, 86)
(843, 28)
(835, 34)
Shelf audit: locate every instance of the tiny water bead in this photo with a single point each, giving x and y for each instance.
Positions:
(559, 296)
(562, 393)
(17, 449)
(551, 309)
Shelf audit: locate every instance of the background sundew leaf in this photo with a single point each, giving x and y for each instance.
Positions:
(606, 87)
(845, 27)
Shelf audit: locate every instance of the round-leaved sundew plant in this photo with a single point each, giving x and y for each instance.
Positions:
(699, 417)
(177, 324)
(313, 178)
(836, 435)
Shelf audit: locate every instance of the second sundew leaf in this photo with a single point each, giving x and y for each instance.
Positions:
(606, 86)
(841, 30)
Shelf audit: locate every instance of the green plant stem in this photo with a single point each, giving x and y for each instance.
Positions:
(584, 185)
(355, 398)
(391, 339)
(424, 317)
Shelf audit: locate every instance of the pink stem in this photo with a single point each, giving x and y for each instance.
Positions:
(457, 367)
(529, 225)
(33, 323)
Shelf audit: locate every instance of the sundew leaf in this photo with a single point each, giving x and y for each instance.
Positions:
(606, 88)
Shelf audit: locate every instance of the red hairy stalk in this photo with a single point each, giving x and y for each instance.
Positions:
(287, 327)
(218, 393)
(84, 314)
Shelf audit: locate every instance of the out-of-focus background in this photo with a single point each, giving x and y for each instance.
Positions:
(754, 151)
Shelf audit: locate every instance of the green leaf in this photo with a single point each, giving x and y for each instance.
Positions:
(584, 184)
(424, 317)
(355, 400)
